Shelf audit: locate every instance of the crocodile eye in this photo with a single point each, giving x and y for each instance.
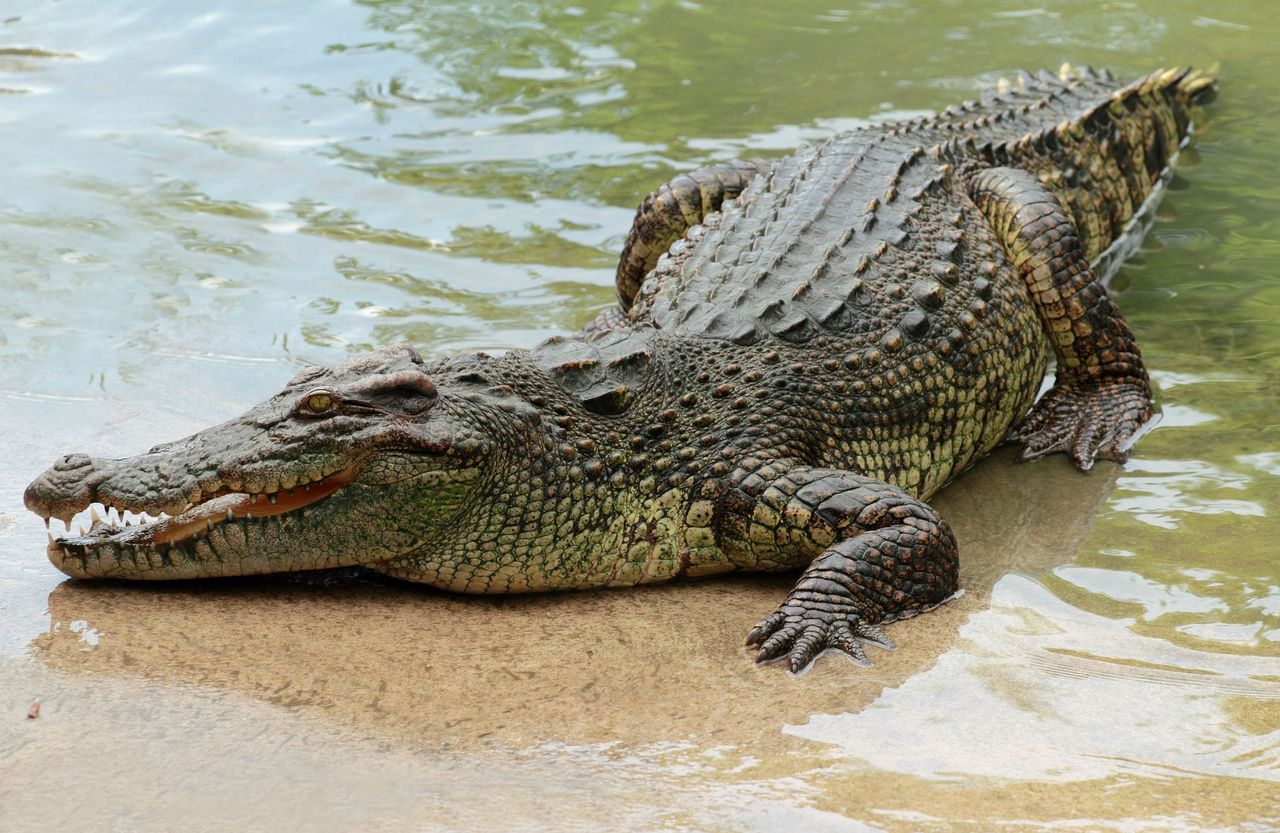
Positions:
(318, 402)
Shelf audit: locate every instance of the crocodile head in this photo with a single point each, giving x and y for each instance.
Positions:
(354, 465)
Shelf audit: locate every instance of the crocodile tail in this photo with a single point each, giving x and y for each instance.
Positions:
(1012, 108)
(1193, 86)
(1104, 161)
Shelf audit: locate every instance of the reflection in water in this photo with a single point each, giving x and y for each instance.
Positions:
(1070, 688)
(196, 201)
(1164, 489)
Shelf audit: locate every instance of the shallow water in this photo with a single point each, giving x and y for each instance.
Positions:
(193, 204)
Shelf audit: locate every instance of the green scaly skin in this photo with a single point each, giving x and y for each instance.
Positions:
(804, 352)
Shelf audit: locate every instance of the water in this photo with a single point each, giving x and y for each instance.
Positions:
(193, 203)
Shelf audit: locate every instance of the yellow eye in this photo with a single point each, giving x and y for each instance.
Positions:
(318, 403)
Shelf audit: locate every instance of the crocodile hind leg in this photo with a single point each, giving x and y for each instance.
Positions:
(875, 554)
(1102, 395)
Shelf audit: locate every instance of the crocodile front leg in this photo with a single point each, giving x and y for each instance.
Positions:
(1102, 395)
(663, 217)
(875, 554)
(669, 211)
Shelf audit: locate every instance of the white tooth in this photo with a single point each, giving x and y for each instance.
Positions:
(97, 518)
(248, 516)
(271, 497)
(209, 523)
(51, 538)
(230, 516)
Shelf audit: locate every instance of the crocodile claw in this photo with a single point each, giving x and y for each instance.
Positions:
(801, 635)
(1088, 422)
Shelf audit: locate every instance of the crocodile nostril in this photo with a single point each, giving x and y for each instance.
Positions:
(73, 461)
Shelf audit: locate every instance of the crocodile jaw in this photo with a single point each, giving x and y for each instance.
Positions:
(131, 540)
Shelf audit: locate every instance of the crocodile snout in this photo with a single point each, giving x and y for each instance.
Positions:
(67, 487)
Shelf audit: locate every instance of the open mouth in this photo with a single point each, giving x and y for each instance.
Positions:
(109, 524)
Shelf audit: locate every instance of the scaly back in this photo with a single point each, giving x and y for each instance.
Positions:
(816, 242)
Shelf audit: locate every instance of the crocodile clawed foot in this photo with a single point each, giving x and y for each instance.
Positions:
(801, 634)
(1086, 420)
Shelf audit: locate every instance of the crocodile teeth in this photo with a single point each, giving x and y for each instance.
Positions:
(163, 529)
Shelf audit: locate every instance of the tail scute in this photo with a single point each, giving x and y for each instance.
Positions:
(1198, 86)
(1193, 86)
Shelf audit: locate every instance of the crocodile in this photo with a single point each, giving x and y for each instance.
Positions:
(804, 351)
